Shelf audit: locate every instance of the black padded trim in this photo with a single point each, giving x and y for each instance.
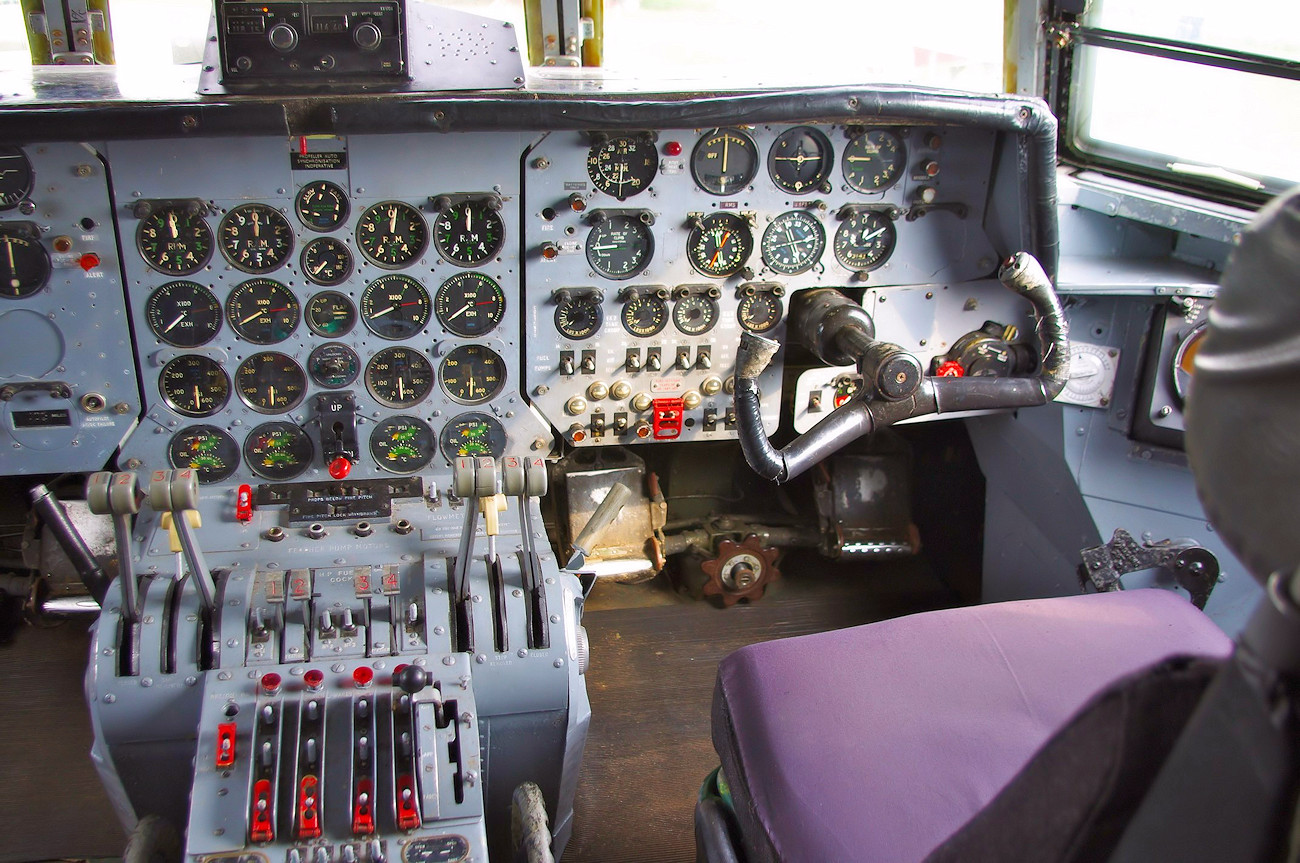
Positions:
(754, 839)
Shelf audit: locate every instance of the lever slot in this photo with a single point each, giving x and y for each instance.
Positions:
(497, 583)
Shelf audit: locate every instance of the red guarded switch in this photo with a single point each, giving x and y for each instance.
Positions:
(226, 744)
(667, 418)
(408, 814)
(363, 810)
(309, 808)
(244, 504)
(261, 827)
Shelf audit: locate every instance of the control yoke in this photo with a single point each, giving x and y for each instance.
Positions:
(895, 386)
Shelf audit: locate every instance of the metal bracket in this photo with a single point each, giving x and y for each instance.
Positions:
(1193, 566)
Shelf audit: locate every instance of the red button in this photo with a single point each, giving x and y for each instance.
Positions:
(362, 676)
(89, 261)
(313, 679)
(270, 683)
(673, 148)
(341, 467)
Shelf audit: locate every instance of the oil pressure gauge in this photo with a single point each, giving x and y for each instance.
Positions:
(278, 451)
(207, 450)
(402, 444)
(472, 434)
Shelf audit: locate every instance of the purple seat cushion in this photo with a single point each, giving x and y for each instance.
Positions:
(879, 742)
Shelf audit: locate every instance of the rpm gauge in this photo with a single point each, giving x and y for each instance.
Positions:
(175, 240)
(270, 383)
(472, 374)
(207, 450)
(472, 434)
(16, 177)
(793, 243)
(24, 265)
(645, 315)
(470, 232)
(184, 314)
(395, 307)
(326, 261)
(263, 311)
(873, 161)
(278, 451)
(800, 160)
(719, 245)
(256, 238)
(321, 205)
(623, 166)
(620, 246)
(469, 304)
(724, 161)
(865, 240)
(399, 377)
(194, 385)
(331, 314)
(392, 234)
(402, 444)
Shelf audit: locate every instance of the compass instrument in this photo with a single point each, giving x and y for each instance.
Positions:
(470, 232)
(333, 365)
(793, 243)
(206, 450)
(402, 444)
(873, 161)
(578, 315)
(331, 314)
(719, 244)
(800, 160)
(256, 238)
(326, 261)
(321, 205)
(469, 304)
(624, 165)
(24, 265)
(270, 383)
(278, 451)
(395, 307)
(472, 374)
(620, 245)
(392, 234)
(865, 240)
(645, 314)
(399, 377)
(263, 311)
(175, 239)
(724, 161)
(194, 385)
(184, 314)
(16, 177)
(759, 312)
(695, 314)
(472, 434)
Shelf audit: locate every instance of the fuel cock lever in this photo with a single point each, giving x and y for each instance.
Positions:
(118, 495)
(177, 492)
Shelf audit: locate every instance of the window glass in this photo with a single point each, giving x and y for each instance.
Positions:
(1267, 27)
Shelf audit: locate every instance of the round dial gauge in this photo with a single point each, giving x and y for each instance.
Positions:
(333, 365)
(793, 243)
(395, 307)
(469, 233)
(184, 314)
(472, 374)
(724, 161)
(392, 234)
(175, 240)
(865, 240)
(15, 177)
(800, 160)
(270, 383)
(759, 312)
(623, 166)
(620, 247)
(278, 451)
(256, 238)
(402, 444)
(206, 450)
(873, 161)
(1185, 360)
(24, 266)
(1092, 375)
(331, 314)
(472, 434)
(194, 385)
(262, 311)
(469, 304)
(326, 261)
(399, 377)
(695, 314)
(579, 316)
(321, 205)
(719, 245)
(645, 315)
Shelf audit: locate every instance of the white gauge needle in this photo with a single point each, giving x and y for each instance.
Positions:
(323, 265)
(270, 393)
(250, 317)
(866, 238)
(465, 308)
(384, 312)
(172, 325)
(257, 225)
(401, 391)
(198, 399)
(392, 220)
(171, 223)
(467, 224)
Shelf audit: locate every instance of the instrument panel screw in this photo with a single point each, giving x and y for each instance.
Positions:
(449, 660)
(110, 698)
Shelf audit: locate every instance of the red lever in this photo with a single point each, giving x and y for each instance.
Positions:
(408, 816)
(341, 467)
(226, 744)
(261, 828)
(308, 808)
(244, 504)
(363, 813)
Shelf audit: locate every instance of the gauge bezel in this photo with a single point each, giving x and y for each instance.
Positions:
(890, 241)
(277, 222)
(898, 166)
(488, 214)
(813, 260)
(495, 314)
(698, 233)
(496, 434)
(336, 296)
(299, 436)
(241, 325)
(464, 350)
(345, 208)
(749, 300)
(383, 397)
(227, 441)
(314, 357)
(747, 145)
(645, 239)
(608, 150)
(335, 244)
(826, 159)
(406, 260)
(200, 292)
(426, 432)
(592, 300)
(410, 329)
(9, 200)
(202, 232)
(45, 267)
(265, 356)
(212, 366)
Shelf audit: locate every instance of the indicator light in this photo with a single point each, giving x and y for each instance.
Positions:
(362, 676)
(313, 678)
(270, 683)
(88, 261)
(673, 148)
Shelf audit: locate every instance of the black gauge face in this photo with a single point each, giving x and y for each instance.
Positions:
(470, 435)
(623, 166)
(333, 366)
(256, 238)
(402, 444)
(395, 307)
(399, 377)
(326, 261)
(15, 177)
(759, 312)
(278, 451)
(793, 243)
(864, 240)
(579, 316)
(620, 247)
(472, 374)
(645, 315)
(263, 311)
(175, 240)
(873, 161)
(720, 245)
(724, 161)
(392, 234)
(800, 160)
(469, 304)
(469, 233)
(270, 383)
(695, 314)
(321, 205)
(331, 314)
(24, 266)
(194, 385)
(184, 314)
(206, 450)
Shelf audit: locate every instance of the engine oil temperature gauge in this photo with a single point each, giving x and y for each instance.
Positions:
(278, 451)
(206, 450)
(402, 444)
(472, 434)
(1092, 375)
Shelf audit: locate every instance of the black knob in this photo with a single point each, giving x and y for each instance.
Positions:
(367, 36)
(282, 37)
(411, 679)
